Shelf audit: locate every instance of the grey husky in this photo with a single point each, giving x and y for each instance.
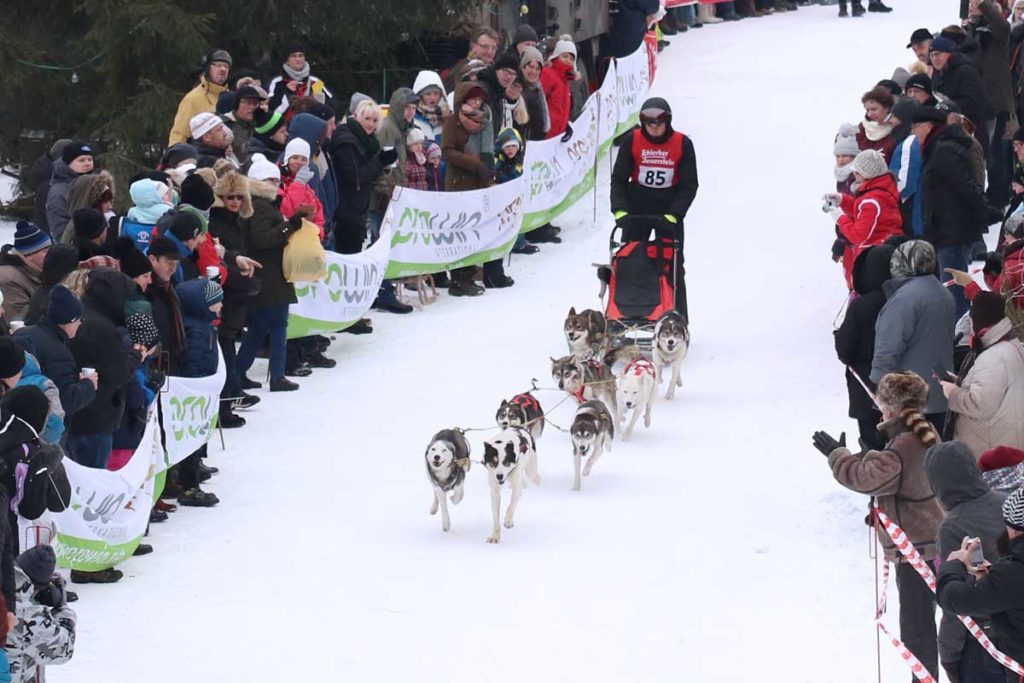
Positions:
(592, 432)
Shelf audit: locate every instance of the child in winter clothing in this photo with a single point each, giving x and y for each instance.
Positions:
(45, 634)
(415, 160)
(510, 152)
(201, 303)
(435, 178)
(152, 200)
(295, 176)
(140, 391)
(1003, 468)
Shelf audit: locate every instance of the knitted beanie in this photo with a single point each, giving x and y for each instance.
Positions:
(415, 136)
(902, 390)
(846, 142)
(870, 163)
(987, 309)
(38, 562)
(214, 293)
(28, 403)
(262, 169)
(133, 262)
(563, 47)
(531, 54)
(921, 82)
(524, 33)
(75, 149)
(195, 191)
(63, 306)
(28, 238)
(142, 329)
(296, 147)
(201, 124)
(12, 357)
(1013, 510)
(89, 223)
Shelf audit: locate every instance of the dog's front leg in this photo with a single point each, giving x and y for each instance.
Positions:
(676, 382)
(495, 536)
(517, 492)
(634, 415)
(647, 407)
(598, 447)
(576, 460)
(434, 503)
(457, 494)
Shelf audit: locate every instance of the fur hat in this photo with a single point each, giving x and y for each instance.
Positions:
(38, 562)
(846, 141)
(63, 306)
(903, 390)
(1013, 510)
(870, 163)
(987, 309)
(234, 183)
(913, 258)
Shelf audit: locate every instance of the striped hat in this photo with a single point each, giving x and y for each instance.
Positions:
(214, 293)
(1013, 510)
(28, 238)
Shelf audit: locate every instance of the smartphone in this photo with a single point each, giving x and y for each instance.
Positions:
(942, 374)
(977, 556)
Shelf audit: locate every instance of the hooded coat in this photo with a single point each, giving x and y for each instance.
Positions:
(972, 509)
(51, 347)
(555, 83)
(44, 635)
(855, 338)
(953, 204)
(391, 133)
(201, 351)
(19, 280)
(266, 233)
(424, 80)
(200, 99)
(101, 344)
(989, 402)
(466, 170)
(86, 192)
(57, 214)
(895, 477)
(869, 219)
(149, 206)
(914, 331)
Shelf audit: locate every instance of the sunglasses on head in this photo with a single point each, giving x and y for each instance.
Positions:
(234, 197)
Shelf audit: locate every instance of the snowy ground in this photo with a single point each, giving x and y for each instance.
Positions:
(714, 547)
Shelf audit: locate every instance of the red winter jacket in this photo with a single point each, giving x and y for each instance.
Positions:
(1011, 278)
(555, 82)
(294, 194)
(869, 219)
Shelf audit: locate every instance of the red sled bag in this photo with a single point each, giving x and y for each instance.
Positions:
(641, 281)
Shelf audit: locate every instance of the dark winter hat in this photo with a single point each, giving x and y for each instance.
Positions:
(195, 191)
(913, 258)
(524, 33)
(60, 261)
(214, 293)
(133, 262)
(999, 457)
(162, 246)
(38, 562)
(267, 123)
(185, 226)
(943, 44)
(987, 309)
(12, 357)
(63, 306)
(177, 154)
(321, 111)
(919, 36)
(293, 46)
(1018, 135)
(507, 61)
(28, 403)
(142, 329)
(28, 238)
(905, 108)
(930, 115)
(1013, 510)
(218, 55)
(890, 85)
(407, 95)
(89, 223)
(226, 103)
(75, 149)
(247, 92)
(919, 81)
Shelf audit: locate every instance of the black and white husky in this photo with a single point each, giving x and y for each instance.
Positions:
(671, 342)
(448, 461)
(523, 410)
(510, 457)
(592, 431)
(590, 380)
(586, 333)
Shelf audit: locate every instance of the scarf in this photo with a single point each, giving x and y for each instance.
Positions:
(299, 75)
(434, 115)
(843, 173)
(876, 131)
(367, 141)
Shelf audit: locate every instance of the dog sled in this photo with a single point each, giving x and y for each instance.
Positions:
(640, 281)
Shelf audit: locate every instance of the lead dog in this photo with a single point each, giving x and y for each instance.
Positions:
(636, 389)
(586, 333)
(671, 342)
(522, 411)
(592, 431)
(591, 380)
(448, 461)
(510, 457)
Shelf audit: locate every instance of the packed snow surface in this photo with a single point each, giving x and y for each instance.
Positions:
(712, 547)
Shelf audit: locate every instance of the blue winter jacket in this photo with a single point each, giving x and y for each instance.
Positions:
(199, 358)
(32, 376)
(906, 166)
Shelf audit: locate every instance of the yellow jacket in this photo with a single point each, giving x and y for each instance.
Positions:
(199, 99)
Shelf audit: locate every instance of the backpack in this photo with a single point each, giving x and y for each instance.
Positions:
(45, 484)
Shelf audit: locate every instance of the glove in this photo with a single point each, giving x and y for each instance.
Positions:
(304, 175)
(671, 219)
(567, 135)
(830, 201)
(838, 247)
(619, 215)
(387, 157)
(52, 595)
(293, 224)
(834, 214)
(826, 444)
(993, 264)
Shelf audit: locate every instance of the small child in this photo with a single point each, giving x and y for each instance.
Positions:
(435, 176)
(510, 153)
(201, 303)
(415, 161)
(845, 151)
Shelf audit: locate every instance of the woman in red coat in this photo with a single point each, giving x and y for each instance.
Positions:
(295, 191)
(555, 82)
(872, 215)
(875, 132)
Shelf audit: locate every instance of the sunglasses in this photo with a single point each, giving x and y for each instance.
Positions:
(233, 197)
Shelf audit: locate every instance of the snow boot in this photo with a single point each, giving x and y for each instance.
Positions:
(157, 516)
(857, 9)
(110, 575)
(706, 15)
(231, 421)
(319, 360)
(282, 384)
(463, 285)
(362, 326)
(877, 6)
(198, 498)
(246, 383)
(498, 281)
(842, 9)
(143, 549)
(387, 300)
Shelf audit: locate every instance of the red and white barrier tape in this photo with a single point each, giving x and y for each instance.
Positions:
(903, 544)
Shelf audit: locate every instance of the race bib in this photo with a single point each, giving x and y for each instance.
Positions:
(656, 176)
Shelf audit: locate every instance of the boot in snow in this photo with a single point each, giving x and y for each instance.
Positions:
(877, 6)
(198, 498)
(103, 576)
(842, 9)
(282, 384)
(858, 8)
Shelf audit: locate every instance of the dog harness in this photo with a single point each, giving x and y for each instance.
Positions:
(528, 402)
(639, 367)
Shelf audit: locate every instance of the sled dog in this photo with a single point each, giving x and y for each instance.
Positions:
(510, 457)
(592, 431)
(590, 380)
(447, 460)
(523, 410)
(636, 388)
(586, 334)
(671, 342)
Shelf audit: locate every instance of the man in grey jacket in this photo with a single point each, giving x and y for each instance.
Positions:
(914, 330)
(973, 510)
